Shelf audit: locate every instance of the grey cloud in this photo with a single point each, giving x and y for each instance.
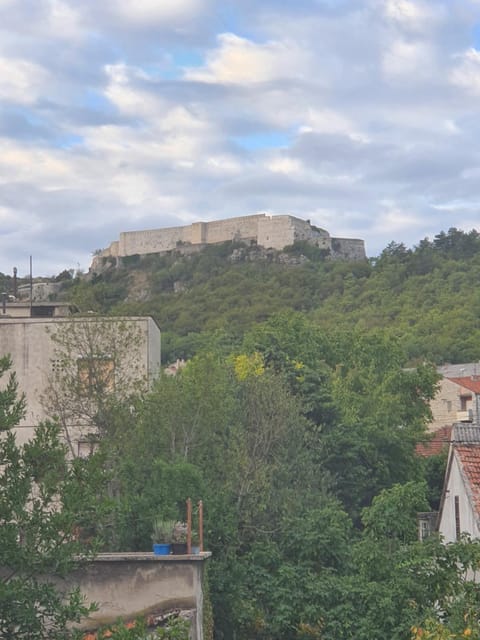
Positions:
(407, 149)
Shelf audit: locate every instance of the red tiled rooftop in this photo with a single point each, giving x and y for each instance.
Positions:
(439, 442)
(469, 458)
(472, 384)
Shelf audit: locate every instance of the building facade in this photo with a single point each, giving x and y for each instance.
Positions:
(274, 232)
(114, 354)
(457, 400)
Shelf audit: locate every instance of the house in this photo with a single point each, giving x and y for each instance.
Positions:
(460, 504)
(458, 396)
(64, 363)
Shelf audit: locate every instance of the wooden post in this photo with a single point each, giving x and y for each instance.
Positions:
(200, 524)
(189, 526)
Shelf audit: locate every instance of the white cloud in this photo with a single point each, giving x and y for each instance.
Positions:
(22, 81)
(64, 21)
(466, 73)
(124, 114)
(241, 61)
(285, 165)
(224, 164)
(330, 121)
(155, 12)
(410, 60)
(394, 220)
(415, 15)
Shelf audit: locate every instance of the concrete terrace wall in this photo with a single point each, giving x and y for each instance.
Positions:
(274, 232)
(128, 585)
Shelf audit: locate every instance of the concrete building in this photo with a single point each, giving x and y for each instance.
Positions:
(274, 232)
(96, 348)
(129, 585)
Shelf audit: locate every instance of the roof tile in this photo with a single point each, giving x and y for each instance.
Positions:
(469, 458)
(436, 443)
(470, 383)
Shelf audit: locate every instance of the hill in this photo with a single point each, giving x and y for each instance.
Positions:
(425, 296)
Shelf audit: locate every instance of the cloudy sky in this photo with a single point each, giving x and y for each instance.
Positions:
(116, 115)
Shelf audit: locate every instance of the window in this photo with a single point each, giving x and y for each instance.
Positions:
(464, 400)
(426, 523)
(85, 448)
(96, 375)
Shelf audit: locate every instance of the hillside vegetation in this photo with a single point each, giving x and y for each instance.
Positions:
(425, 296)
(296, 422)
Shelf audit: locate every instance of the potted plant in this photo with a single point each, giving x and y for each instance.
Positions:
(162, 536)
(179, 539)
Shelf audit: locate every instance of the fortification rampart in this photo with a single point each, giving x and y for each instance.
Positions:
(347, 249)
(274, 232)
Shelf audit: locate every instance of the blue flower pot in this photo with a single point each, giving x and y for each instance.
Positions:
(161, 549)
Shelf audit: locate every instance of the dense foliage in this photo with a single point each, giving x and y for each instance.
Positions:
(301, 446)
(296, 422)
(43, 500)
(425, 296)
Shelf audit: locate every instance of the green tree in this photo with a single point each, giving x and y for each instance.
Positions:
(42, 500)
(95, 380)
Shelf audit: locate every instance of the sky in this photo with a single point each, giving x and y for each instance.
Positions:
(120, 115)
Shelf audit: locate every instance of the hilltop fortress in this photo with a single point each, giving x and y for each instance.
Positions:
(274, 232)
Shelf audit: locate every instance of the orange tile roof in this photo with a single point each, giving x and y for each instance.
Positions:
(435, 444)
(472, 384)
(469, 458)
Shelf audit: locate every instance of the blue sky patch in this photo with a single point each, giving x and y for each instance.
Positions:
(476, 36)
(96, 101)
(264, 140)
(68, 141)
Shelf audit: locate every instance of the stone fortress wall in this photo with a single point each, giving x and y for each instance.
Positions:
(274, 232)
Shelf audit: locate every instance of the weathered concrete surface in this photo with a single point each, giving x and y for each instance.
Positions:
(32, 350)
(126, 585)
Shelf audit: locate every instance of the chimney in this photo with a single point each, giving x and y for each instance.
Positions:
(14, 282)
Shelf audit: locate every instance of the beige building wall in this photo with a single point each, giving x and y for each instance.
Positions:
(29, 343)
(243, 228)
(275, 233)
(451, 400)
(152, 241)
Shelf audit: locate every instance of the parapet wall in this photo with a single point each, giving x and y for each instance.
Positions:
(275, 232)
(347, 249)
(128, 585)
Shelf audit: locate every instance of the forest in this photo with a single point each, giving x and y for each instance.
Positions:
(295, 420)
(425, 296)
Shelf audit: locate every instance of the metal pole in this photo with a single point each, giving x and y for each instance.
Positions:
(31, 288)
(200, 523)
(189, 526)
